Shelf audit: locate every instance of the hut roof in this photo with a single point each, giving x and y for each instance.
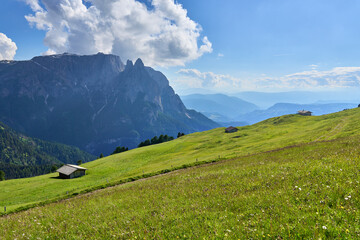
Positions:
(230, 128)
(304, 111)
(69, 169)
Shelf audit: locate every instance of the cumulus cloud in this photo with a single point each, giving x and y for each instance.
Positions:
(161, 34)
(340, 77)
(7, 48)
(334, 78)
(209, 80)
(34, 4)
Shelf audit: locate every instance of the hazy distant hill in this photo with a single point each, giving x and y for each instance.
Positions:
(266, 100)
(218, 107)
(22, 156)
(94, 102)
(280, 109)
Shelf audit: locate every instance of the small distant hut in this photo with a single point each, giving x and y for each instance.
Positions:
(359, 105)
(304, 113)
(231, 129)
(70, 171)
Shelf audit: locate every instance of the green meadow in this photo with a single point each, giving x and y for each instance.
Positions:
(188, 150)
(306, 192)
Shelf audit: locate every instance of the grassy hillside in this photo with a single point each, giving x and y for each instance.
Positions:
(211, 145)
(305, 192)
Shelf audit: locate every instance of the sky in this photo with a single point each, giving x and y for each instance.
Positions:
(201, 46)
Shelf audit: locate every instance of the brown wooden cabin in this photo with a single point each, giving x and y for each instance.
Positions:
(70, 171)
(231, 129)
(304, 113)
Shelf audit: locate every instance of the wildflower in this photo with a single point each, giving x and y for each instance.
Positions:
(346, 199)
(324, 227)
(299, 188)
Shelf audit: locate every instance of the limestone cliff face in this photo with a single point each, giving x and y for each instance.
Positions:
(94, 102)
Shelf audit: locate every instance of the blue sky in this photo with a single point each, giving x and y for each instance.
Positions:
(250, 45)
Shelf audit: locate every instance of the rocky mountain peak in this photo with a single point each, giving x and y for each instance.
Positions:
(94, 102)
(139, 63)
(129, 65)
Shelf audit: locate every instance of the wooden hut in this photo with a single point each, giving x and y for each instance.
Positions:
(231, 129)
(69, 171)
(304, 113)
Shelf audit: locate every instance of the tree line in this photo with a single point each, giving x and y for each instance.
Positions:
(10, 171)
(155, 140)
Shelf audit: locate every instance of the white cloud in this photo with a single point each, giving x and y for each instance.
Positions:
(34, 4)
(313, 66)
(340, 77)
(220, 55)
(7, 48)
(209, 80)
(163, 35)
(48, 52)
(334, 78)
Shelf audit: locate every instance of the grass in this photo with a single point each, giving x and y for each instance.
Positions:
(188, 150)
(305, 192)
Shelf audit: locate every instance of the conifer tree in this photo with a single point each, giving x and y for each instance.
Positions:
(2, 175)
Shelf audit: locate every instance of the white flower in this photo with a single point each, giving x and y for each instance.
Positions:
(346, 199)
(324, 227)
(299, 188)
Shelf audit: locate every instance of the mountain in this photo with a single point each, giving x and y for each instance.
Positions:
(22, 156)
(267, 99)
(218, 107)
(94, 102)
(280, 109)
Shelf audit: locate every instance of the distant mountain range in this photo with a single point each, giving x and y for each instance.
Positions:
(219, 107)
(267, 99)
(227, 110)
(280, 109)
(22, 156)
(93, 102)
